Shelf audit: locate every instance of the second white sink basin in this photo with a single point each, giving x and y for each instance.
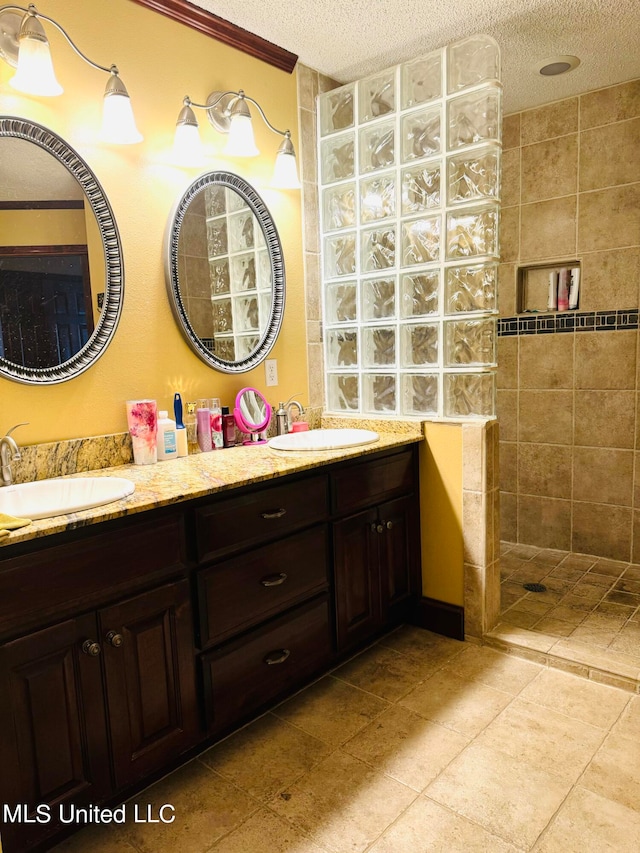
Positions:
(323, 439)
(46, 498)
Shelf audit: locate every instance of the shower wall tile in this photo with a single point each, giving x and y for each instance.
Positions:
(603, 530)
(615, 103)
(605, 419)
(511, 131)
(621, 141)
(610, 279)
(507, 363)
(508, 517)
(550, 169)
(546, 361)
(545, 416)
(509, 466)
(548, 229)
(510, 188)
(551, 120)
(544, 470)
(545, 521)
(603, 475)
(507, 411)
(506, 290)
(509, 234)
(609, 218)
(635, 552)
(606, 360)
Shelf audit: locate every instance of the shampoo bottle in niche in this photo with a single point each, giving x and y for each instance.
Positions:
(203, 422)
(552, 302)
(564, 280)
(167, 442)
(574, 290)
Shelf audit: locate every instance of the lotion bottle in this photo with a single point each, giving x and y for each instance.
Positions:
(167, 442)
(203, 421)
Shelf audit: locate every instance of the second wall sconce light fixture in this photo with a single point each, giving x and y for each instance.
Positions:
(24, 46)
(228, 112)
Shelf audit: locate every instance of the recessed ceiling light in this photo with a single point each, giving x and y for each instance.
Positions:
(559, 65)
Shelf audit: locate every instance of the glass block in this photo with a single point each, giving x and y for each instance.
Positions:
(259, 237)
(378, 298)
(340, 302)
(420, 394)
(420, 134)
(470, 343)
(474, 118)
(245, 345)
(474, 176)
(339, 207)
(241, 227)
(378, 198)
(421, 188)
(420, 241)
(419, 344)
(217, 243)
(379, 392)
(472, 61)
(378, 346)
(265, 309)
(336, 158)
(376, 95)
(336, 110)
(342, 347)
(420, 293)
(472, 232)
(378, 249)
(340, 255)
(222, 317)
(245, 318)
(219, 276)
(471, 288)
(243, 272)
(215, 200)
(342, 392)
(234, 201)
(421, 80)
(377, 147)
(469, 395)
(264, 270)
(225, 349)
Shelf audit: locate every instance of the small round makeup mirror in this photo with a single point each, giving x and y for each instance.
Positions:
(253, 415)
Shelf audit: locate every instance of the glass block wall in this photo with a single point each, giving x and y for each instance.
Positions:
(409, 166)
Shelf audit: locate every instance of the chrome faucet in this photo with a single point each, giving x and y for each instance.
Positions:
(9, 452)
(287, 407)
(283, 415)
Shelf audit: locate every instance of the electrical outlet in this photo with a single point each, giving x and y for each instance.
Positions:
(271, 371)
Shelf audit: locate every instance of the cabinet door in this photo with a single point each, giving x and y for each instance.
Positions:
(398, 557)
(53, 739)
(150, 679)
(357, 578)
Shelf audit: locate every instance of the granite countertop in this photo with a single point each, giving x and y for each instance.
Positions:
(198, 476)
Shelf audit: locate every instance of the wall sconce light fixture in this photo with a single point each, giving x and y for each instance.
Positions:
(24, 46)
(229, 113)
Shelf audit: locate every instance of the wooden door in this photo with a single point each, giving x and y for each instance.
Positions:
(398, 558)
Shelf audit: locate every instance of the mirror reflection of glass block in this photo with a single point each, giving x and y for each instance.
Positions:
(420, 134)
(217, 237)
(336, 158)
(245, 345)
(259, 237)
(378, 249)
(378, 347)
(471, 288)
(377, 147)
(419, 344)
(246, 314)
(241, 229)
(336, 110)
(421, 188)
(265, 310)
(342, 392)
(339, 207)
(376, 96)
(474, 118)
(340, 255)
(420, 293)
(379, 391)
(264, 270)
(421, 80)
(472, 232)
(420, 394)
(222, 317)
(472, 61)
(225, 349)
(340, 302)
(377, 198)
(215, 200)
(474, 176)
(469, 395)
(378, 298)
(243, 272)
(420, 241)
(219, 276)
(235, 201)
(470, 343)
(342, 347)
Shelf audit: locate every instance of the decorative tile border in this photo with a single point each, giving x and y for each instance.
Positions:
(581, 321)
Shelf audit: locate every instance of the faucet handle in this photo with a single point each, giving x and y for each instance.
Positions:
(25, 423)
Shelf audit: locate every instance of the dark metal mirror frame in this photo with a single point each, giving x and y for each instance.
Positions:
(114, 273)
(272, 239)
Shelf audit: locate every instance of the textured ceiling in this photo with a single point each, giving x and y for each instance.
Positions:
(348, 39)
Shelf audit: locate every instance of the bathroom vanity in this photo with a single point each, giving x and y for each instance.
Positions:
(132, 640)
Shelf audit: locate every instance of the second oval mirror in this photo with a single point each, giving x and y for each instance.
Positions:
(225, 272)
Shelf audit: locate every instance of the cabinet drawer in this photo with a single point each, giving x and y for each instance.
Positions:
(366, 483)
(239, 593)
(244, 675)
(259, 516)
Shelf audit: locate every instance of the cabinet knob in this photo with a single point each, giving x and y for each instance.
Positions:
(389, 525)
(114, 639)
(91, 648)
(379, 528)
(276, 513)
(278, 656)
(274, 580)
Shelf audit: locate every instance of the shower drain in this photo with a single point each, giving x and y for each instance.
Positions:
(534, 587)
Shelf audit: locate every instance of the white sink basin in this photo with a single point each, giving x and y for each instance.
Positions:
(323, 439)
(46, 498)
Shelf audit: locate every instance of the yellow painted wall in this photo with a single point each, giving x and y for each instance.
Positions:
(42, 227)
(160, 62)
(441, 513)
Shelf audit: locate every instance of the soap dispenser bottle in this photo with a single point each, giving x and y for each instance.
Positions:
(282, 424)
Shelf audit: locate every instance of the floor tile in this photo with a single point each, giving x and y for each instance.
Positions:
(495, 669)
(509, 797)
(423, 646)
(519, 618)
(265, 831)
(613, 773)
(406, 747)
(628, 724)
(97, 839)
(557, 627)
(343, 803)
(385, 672)
(522, 637)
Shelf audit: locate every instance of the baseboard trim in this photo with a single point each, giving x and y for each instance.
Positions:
(440, 617)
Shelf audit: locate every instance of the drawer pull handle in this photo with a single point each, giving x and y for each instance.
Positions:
(389, 525)
(278, 513)
(114, 639)
(274, 580)
(379, 528)
(91, 648)
(277, 657)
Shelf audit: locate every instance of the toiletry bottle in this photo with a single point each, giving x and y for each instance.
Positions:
(167, 443)
(216, 423)
(552, 302)
(282, 425)
(228, 428)
(192, 428)
(203, 420)
(181, 430)
(574, 290)
(563, 289)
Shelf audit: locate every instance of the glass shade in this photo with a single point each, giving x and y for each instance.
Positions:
(285, 172)
(241, 142)
(118, 123)
(35, 74)
(187, 146)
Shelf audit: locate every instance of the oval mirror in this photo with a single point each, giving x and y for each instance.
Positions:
(61, 268)
(225, 272)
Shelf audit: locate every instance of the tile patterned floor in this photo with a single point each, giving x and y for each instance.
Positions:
(418, 744)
